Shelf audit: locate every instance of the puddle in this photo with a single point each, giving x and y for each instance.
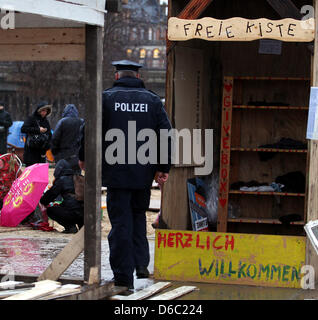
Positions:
(32, 256)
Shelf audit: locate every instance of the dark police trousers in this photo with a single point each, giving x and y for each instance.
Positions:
(127, 239)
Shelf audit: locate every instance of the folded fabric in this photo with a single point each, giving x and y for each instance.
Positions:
(283, 143)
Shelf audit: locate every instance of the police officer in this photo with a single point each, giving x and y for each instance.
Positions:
(128, 104)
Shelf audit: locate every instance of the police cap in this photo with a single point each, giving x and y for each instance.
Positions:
(126, 65)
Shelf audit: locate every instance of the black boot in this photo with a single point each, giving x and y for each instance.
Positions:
(142, 272)
(72, 229)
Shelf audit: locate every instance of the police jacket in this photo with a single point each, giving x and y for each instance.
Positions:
(130, 107)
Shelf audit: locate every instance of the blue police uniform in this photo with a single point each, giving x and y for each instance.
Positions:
(128, 104)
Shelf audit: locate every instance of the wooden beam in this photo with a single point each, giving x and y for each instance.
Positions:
(312, 199)
(93, 159)
(173, 294)
(194, 9)
(88, 14)
(43, 36)
(41, 289)
(61, 52)
(96, 292)
(285, 8)
(144, 293)
(65, 258)
(191, 11)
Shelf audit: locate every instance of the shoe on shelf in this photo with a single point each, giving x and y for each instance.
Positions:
(72, 229)
(142, 272)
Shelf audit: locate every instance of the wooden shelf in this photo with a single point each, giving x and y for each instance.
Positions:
(268, 150)
(262, 221)
(267, 193)
(271, 107)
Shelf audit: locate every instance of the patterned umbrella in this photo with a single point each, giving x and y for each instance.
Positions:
(24, 195)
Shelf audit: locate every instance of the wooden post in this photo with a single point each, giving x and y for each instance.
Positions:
(312, 197)
(191, 11)
(93, 156)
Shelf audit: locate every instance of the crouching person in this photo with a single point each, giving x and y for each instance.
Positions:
(70, 213)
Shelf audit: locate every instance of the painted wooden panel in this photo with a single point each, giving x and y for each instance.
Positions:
(225, 153)
(240, 29)
(229, 258)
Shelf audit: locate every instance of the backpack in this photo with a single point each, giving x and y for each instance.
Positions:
(79, 183)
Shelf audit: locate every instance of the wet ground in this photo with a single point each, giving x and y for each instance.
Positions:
(31, 256)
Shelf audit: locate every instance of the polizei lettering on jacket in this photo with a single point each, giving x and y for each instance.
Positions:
(131, 107)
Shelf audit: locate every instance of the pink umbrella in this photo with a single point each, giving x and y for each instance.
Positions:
(24, 195)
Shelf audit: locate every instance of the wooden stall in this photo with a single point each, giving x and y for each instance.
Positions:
(54, 30)
(244, 69)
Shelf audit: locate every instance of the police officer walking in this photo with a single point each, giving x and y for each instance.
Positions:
(129, 184)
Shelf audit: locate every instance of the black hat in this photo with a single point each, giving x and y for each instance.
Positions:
(2, 103)
(126, 65)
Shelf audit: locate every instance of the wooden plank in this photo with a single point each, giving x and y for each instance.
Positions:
(8, 293)
(87, 14)
(63, 291)
(41, 289)
(145, 293)
(65, 258)
(9, 284)
(175, 206)
(43, 36)
(225, 154)
(240, 29)
(58, 52)
(93, 141)
(229, 258)
(312, 199)
(176, 293)
(96, 292)
(29, 279)
(13, 229)
(192, 10)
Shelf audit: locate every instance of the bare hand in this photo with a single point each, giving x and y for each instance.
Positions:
(42, 130)
(161, 178)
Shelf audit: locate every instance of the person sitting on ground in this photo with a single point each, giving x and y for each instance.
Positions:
(71, 211)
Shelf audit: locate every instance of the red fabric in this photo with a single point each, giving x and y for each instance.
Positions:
(44, 226)
(8, 173)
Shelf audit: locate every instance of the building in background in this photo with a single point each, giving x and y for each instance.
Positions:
(137, 32)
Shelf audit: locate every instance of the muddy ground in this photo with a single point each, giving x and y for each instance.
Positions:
(151, 217)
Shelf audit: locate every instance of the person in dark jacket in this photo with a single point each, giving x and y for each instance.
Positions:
(5, 124)
(64, 144)
(71, 211)
(128, 184)
(37, 123)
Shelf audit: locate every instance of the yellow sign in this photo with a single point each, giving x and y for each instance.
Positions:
(229, 258)
(240, 29)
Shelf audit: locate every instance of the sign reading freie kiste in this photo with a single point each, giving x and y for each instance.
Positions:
(240, 29)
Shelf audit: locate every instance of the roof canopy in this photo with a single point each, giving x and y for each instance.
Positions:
(78, 11)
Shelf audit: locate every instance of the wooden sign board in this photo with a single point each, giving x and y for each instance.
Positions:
(240, 29)
(245, 259)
